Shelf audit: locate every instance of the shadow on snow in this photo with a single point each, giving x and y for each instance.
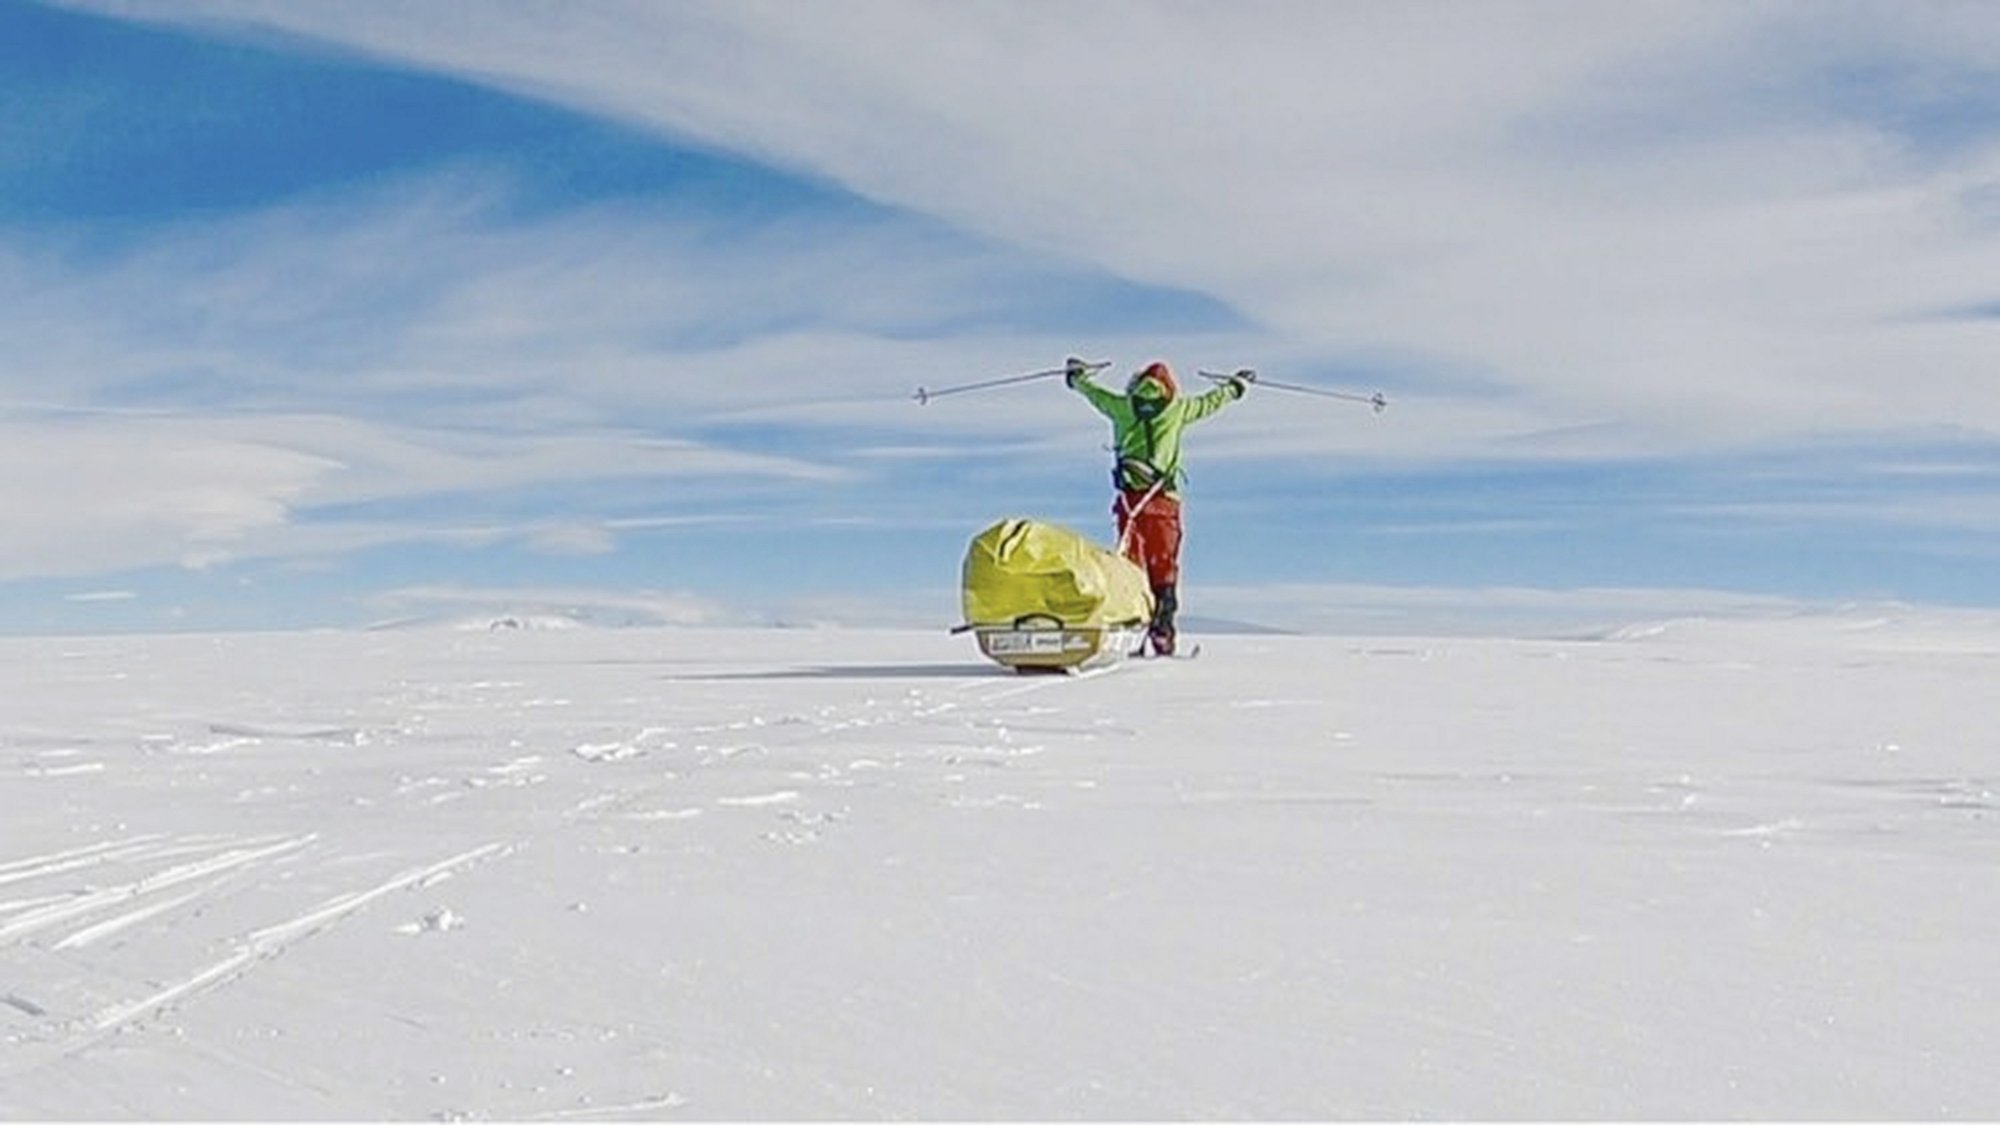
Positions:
(859, 672)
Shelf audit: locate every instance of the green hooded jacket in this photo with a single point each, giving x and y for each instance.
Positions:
(1146, 424)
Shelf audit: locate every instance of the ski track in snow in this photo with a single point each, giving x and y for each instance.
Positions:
(650, 1105)
(270, 941)
(118, 895)
(55, 1037)
(167, 878)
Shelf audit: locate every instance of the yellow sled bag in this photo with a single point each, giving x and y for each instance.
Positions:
(1042, 596)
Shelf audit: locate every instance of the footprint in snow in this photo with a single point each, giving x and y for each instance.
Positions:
(781, 797)
(63, 769)
(442, 920)
(607, 751)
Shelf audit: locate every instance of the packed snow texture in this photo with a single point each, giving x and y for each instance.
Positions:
(1703, 870)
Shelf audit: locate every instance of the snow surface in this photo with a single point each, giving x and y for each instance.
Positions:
(1697, 870)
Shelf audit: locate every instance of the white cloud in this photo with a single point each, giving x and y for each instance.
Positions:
(407, 344)
(420, 300)
(96, 493)
(1660, 214)
(1973, 510)
(573, 538)
(95, 596)
(90, 496)
(395, 346)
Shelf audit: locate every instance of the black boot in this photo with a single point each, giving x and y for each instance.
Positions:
(1166, 602)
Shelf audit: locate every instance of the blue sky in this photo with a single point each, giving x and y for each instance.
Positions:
(333, 313)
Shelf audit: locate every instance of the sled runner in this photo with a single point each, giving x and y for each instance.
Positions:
(1039, 597)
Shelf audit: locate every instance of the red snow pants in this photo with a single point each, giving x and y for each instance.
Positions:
(1150, 530)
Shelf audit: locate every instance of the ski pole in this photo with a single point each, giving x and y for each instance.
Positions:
(1375, 400)
(924, 394)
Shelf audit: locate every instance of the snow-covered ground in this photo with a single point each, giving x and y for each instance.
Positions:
(1704, 870)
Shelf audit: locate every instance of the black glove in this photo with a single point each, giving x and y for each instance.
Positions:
(1241, 381)
(1074, 371)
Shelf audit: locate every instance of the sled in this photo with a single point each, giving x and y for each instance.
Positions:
(1044, 646)
(1042, 598)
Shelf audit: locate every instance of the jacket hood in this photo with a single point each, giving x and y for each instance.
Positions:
(1156, 380)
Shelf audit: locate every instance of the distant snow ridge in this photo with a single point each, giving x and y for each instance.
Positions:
(1890, 626)
(523, 622)
(539, 622)
(1643, 630)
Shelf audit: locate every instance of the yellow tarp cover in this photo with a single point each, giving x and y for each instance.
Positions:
(1020, 568)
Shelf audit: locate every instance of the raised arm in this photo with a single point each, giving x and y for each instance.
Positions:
(1078, 375)
(1224, 393)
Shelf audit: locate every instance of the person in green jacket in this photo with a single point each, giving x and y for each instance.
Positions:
(1146, 425)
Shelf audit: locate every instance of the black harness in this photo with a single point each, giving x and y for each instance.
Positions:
(1139, 474)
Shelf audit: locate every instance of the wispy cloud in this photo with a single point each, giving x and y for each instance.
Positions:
(102, 596)
(92, 497)
(124, 490)
(249, 385)
(1678, 216)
